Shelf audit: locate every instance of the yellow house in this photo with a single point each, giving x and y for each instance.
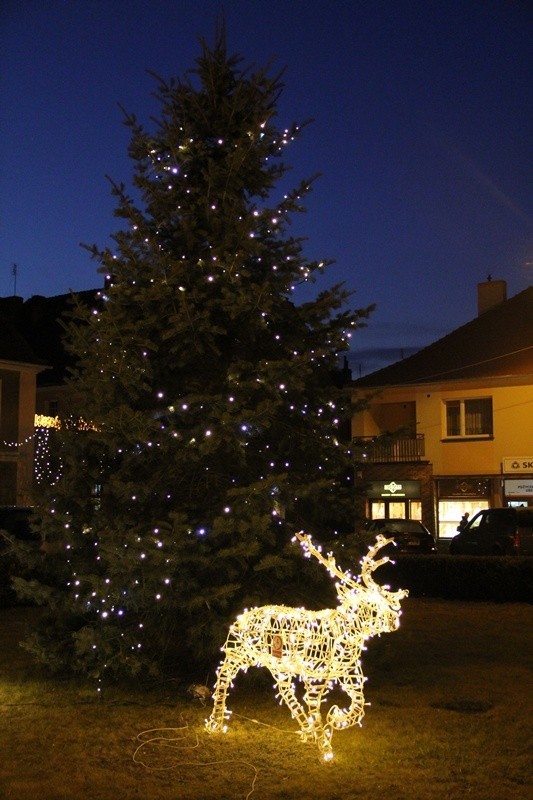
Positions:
(449, 430)
(19, 367)
(33, 365)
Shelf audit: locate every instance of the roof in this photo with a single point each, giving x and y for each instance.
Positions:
(497, 343)
(35, 325)
(13, 346)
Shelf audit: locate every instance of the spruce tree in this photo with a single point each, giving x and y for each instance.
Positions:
(210, 417)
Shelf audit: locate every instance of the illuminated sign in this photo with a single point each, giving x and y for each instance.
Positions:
(519, 488)
(464, 487)
(394, 488)
(518, 464)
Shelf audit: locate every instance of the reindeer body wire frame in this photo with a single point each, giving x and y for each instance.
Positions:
(321, 648)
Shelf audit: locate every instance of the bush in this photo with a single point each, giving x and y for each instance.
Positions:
(499, 579)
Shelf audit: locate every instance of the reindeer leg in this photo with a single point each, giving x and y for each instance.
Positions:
(288, 695)
(226, 674)
(314, 693)
(346, 717)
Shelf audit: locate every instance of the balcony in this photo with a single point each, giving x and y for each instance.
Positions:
(389, 449)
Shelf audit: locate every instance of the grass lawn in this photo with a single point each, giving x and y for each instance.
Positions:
(450, 718)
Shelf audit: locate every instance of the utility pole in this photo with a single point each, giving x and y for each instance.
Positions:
(14, 270)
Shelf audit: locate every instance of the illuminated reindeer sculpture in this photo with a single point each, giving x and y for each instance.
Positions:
(321, 648)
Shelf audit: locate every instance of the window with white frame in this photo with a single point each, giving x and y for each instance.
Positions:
(471, 417)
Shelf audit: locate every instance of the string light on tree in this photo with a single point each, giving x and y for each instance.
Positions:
(204, 374)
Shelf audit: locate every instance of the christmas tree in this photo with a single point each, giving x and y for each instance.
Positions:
(210, 417)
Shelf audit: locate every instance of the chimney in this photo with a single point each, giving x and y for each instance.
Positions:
(490, 294)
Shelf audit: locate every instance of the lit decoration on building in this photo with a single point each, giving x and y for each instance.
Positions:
(80, 424)
(40, 437)
(43, 468)
(322, 649)
(45, 421)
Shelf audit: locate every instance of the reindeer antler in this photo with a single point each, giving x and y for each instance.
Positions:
(368, 565)
(328, 561)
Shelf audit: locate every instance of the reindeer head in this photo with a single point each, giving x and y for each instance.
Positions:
(376, 607)
(384, 602)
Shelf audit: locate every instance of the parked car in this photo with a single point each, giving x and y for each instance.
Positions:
(496, 531)
(410, 535)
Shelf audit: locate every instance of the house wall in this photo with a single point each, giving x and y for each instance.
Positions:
(512, 419)
(468, 473)
(17, 411)
(392, 416)
(26, 429)
(53, 401)
(9, 405)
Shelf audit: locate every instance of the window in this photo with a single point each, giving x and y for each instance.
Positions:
(469, 417)
(451, 511)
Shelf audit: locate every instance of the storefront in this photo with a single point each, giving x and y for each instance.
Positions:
(518, 489)
(460, 498)
(394, 499)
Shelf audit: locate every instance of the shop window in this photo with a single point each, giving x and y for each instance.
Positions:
(452, 511)
(469, 417)
(396, 509)
(377, 510)
(415, 510)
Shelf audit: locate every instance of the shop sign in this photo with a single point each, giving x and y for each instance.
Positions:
(519, 488)
(518, 464)
(394, 489)
(464, 487)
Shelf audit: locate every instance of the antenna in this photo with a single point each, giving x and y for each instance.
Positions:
(14, 271)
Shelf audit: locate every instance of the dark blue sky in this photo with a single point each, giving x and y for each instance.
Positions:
(422, 134)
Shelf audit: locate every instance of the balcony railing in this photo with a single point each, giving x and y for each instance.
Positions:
(392, 449)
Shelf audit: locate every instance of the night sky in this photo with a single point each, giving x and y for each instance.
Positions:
(422, 134)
